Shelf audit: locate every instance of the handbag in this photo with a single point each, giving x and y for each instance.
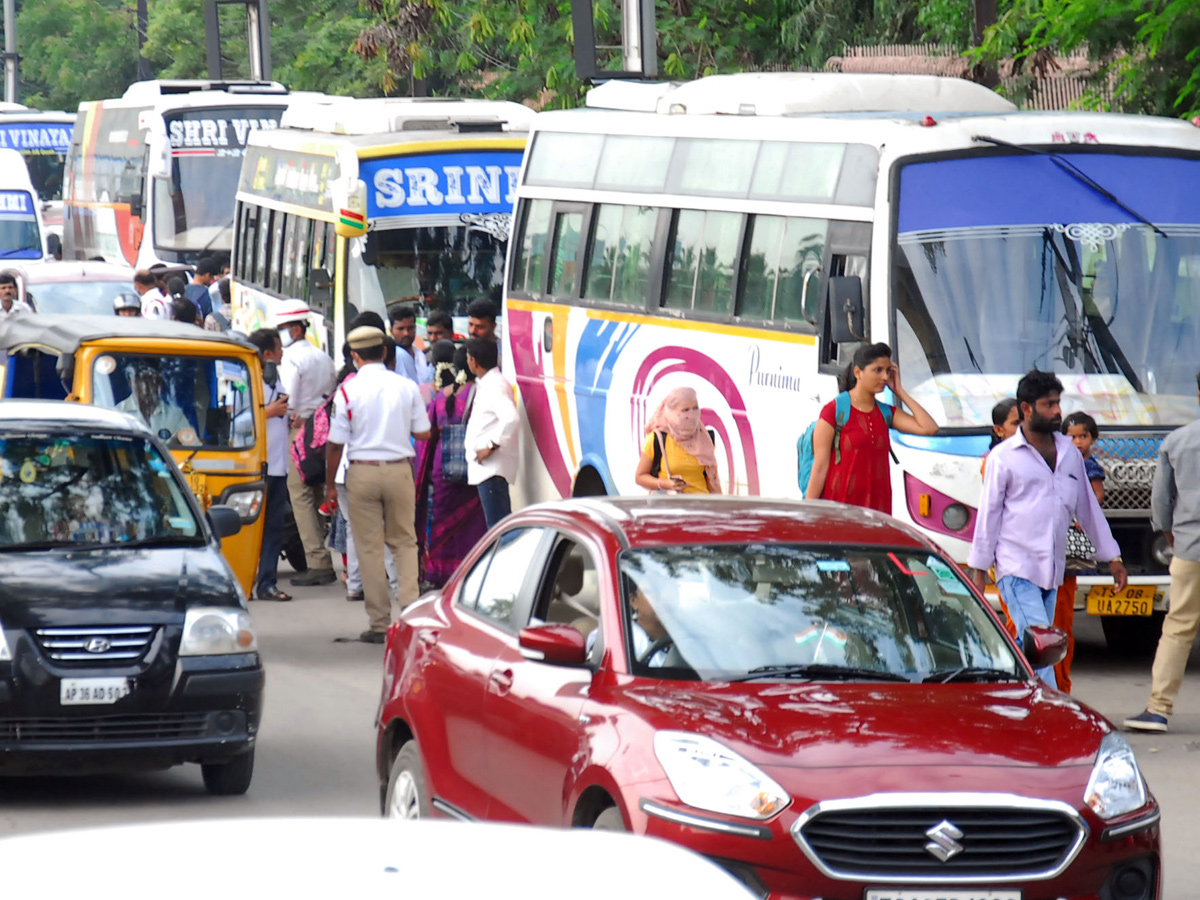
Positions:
(454, 446)
(1080, 552)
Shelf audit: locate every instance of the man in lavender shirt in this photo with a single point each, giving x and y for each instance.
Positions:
(1034, 486)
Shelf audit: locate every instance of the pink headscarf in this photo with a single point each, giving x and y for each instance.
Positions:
(676, 417)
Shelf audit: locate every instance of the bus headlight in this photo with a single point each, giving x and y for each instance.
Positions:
(956, 516)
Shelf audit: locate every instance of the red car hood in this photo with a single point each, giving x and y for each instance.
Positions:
(841, 725)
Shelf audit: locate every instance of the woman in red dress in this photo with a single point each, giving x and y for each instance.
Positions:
(862, 476)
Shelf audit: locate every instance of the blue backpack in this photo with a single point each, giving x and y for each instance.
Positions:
(804, 446)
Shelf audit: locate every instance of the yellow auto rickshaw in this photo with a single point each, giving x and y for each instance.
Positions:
(200, 392)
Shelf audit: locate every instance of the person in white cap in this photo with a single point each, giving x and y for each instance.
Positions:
(307, 376)
(376, 415)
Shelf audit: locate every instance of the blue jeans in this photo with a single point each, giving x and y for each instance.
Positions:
(274, 513)
(493, 494)
(1028, 605)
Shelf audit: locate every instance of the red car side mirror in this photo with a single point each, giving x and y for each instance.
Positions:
(558, 645)
(1044, 646)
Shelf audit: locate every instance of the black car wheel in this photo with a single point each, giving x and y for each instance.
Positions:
(229, 778)
(293, 547)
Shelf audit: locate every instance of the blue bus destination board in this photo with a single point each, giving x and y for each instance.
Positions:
(28, 137)
(441, 183)
(15, 204)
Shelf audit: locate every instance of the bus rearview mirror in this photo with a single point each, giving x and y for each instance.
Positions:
(320, 290)
(846, 309)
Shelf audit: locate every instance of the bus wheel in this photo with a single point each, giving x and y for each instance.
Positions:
(1133, 636)
(588, 483)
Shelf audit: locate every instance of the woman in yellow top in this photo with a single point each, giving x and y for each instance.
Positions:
(687, 460)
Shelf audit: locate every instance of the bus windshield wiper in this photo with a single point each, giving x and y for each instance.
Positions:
(971, 673)
(817, 671)
(1075, 172)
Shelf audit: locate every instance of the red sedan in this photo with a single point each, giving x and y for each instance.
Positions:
(811, 695)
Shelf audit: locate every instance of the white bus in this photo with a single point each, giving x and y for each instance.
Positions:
(22, 235)
(42, 139)
(151, 176)
(742, 234)
(353, 205)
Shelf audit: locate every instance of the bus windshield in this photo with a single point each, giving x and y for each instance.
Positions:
(1004, 263)
(19, 235)
(193, 210)
(438, 267)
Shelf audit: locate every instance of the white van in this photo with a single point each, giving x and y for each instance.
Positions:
(21, 231)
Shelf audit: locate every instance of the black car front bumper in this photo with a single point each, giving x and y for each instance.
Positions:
(206, 710)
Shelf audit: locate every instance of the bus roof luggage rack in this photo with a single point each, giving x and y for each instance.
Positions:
(341, 115)
(800, 93)
(149, 90)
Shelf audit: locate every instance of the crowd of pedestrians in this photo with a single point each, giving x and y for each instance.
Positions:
(405, 458)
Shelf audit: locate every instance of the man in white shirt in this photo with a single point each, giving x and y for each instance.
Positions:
(154, 303)
(145, 402)
(491, 437)
(275, 507)
(376, 415)
(410, 362)
(308, 376)
(9, 302)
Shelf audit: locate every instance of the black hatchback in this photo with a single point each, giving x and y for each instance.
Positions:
(124, 637)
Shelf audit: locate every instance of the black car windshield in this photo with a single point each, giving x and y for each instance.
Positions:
(93, 490)
(188, 401)
(1007, 262)
(726, 611)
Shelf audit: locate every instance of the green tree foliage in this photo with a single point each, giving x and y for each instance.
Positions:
(310, 44)
(74, 50)
(1148, 50)
(524, 49)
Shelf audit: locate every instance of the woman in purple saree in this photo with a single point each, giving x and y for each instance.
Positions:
(449, 515)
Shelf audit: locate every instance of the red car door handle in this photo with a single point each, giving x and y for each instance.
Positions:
(428, 638)
(502, 680)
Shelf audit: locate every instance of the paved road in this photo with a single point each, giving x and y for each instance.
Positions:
(316, 752)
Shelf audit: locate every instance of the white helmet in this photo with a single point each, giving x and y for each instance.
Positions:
(126, 300)
(289, 311)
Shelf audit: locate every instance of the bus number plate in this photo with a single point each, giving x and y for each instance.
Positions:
(1135, 600)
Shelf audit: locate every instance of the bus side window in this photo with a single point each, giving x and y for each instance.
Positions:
(275, 273)
(847, 249)
(529, 265)
(263, 245)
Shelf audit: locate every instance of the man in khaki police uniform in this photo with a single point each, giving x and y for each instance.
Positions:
(375, 417)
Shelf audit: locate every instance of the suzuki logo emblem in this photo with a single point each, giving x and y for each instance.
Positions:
(97, 645)
(943, 841)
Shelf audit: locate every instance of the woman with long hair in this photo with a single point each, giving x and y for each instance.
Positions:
(449, 515)
(858, 470)
(678, 453)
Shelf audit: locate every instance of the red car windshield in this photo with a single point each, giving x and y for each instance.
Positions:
(727, 611)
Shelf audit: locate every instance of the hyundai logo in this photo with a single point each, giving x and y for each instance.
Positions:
(943, 841)
(103, 645)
